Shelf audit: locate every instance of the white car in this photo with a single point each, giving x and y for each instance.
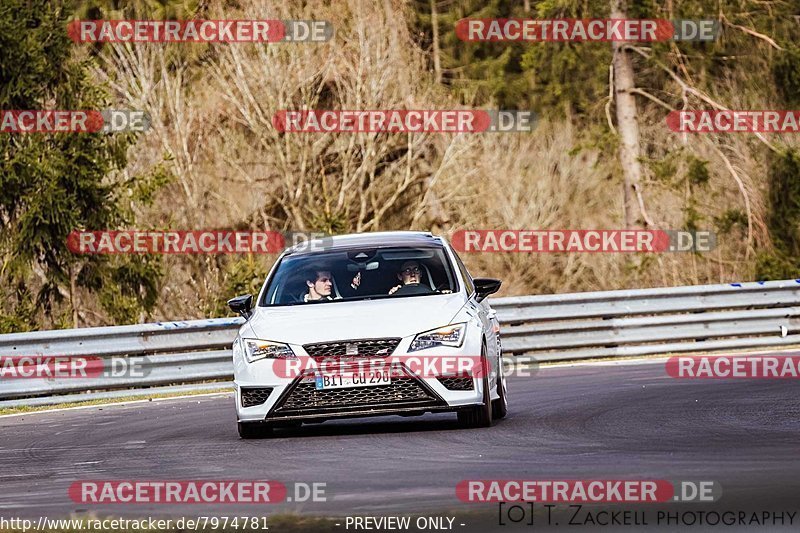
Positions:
(366, 325)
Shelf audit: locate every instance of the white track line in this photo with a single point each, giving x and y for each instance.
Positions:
(129, 402)
(618, 362)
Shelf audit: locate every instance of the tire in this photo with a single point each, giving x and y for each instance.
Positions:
(479, 416)
(500, 405)
(253, 430)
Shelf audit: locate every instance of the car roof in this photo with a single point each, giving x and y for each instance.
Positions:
(367, 240)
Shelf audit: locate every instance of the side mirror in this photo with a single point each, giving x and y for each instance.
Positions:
(242, 305)
(486, 286)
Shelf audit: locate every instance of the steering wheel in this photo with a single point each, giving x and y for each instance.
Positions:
(413, 288)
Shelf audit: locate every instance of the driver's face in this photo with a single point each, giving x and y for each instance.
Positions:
(410, 272)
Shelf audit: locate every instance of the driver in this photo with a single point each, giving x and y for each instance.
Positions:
(410, 274)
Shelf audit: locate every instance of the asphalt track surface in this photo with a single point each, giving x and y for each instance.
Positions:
(622, 421)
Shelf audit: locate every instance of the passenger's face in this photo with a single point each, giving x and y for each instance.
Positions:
(410, 272)
(322, 286)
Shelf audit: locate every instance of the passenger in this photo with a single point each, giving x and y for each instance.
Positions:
(320, 285)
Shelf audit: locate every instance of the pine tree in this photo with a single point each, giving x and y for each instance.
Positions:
(52, 184)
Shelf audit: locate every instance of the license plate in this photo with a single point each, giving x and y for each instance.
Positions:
(357, 379)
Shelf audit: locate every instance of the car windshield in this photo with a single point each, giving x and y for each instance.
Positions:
(360, 274)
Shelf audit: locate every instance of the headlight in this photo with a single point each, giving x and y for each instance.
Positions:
(452, 335)
(255, 349)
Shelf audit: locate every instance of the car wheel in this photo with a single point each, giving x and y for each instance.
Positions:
(479, 416)
(500, 405)
(254, 430)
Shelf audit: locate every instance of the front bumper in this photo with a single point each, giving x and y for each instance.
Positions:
(296, 398)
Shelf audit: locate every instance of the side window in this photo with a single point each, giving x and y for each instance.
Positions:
(466, 278)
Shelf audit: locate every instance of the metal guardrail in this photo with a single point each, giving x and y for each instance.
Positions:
(652, 321)
(553, 327)
(165, 353)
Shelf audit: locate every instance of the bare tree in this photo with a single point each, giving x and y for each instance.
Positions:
(627, 124)
(437, 65)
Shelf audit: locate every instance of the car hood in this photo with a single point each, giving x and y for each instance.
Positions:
(364, 319)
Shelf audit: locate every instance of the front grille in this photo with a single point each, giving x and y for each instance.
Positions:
(303, 398)
(456, 383)
(251, 397)
(338, 351)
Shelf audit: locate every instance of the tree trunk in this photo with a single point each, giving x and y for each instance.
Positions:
(627, 123)
(73, 298)
(437, 66)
